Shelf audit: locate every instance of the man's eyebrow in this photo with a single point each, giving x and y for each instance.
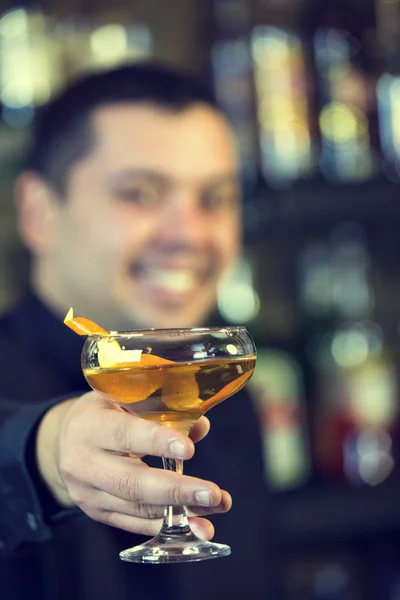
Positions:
(226, 178)
(124, 176)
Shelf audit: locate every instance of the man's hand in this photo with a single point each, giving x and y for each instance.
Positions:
(83, 449)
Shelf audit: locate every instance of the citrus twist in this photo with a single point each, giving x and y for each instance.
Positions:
(83, 326)
(111, 356)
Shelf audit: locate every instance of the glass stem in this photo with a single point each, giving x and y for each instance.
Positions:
(175, 519)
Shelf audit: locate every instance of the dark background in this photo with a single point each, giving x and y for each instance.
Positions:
(313, 90)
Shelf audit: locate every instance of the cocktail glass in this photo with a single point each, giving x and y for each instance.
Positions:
(171, 376)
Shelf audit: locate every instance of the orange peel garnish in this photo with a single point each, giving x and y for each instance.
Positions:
(140, 384)
(143, 382)
(227, 391)
(112, 356)
(82, 325)
(181, 391)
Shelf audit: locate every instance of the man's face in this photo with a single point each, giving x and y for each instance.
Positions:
(151, 218)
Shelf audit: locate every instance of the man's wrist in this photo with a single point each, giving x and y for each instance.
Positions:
(47, 453)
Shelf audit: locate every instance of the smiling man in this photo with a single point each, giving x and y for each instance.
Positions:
(146, 220)
(129, 205)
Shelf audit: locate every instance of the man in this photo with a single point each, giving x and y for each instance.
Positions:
(129, 206)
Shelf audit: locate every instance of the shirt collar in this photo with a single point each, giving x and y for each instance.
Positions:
(42, 329)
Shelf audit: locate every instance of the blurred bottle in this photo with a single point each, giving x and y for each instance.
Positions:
(315, 279)
(87, 46)
(238, 300)
(233, 78)
(344, 100)
(276, 386)
(29, 64)
(283, 111)
(357, 416)
(388, 87)
(356, 413)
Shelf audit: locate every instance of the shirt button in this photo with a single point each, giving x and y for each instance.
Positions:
(32, 521)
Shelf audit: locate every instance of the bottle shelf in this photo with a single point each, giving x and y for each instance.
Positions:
(318, 517)
(315, 205)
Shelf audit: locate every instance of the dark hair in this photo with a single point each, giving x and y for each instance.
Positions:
(61, 134)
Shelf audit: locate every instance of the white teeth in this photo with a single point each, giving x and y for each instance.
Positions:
(173, 281)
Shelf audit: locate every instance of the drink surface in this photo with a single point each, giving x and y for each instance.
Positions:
(174, 393)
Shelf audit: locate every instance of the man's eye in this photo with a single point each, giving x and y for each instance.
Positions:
(220, 200)
(143, 195)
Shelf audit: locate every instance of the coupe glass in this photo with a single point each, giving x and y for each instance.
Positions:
(171, 376)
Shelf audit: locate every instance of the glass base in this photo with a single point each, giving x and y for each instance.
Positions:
(173, 549)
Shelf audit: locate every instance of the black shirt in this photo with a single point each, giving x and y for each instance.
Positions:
(49, 553)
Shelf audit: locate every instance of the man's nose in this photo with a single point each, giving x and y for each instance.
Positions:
(186, 220)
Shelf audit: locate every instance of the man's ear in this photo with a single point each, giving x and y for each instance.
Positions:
(38, 213)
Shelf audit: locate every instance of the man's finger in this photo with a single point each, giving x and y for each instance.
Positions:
(126, 433)
(102, 501)
(200, 429)
(130, 479)
(200, 527)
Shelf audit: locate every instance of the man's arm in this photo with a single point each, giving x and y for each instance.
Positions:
(82, 453)
(24, 502)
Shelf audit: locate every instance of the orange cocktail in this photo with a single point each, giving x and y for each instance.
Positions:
(171, 376)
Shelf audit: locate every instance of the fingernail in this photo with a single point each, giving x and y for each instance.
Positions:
(178, 449)
(203, 497)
